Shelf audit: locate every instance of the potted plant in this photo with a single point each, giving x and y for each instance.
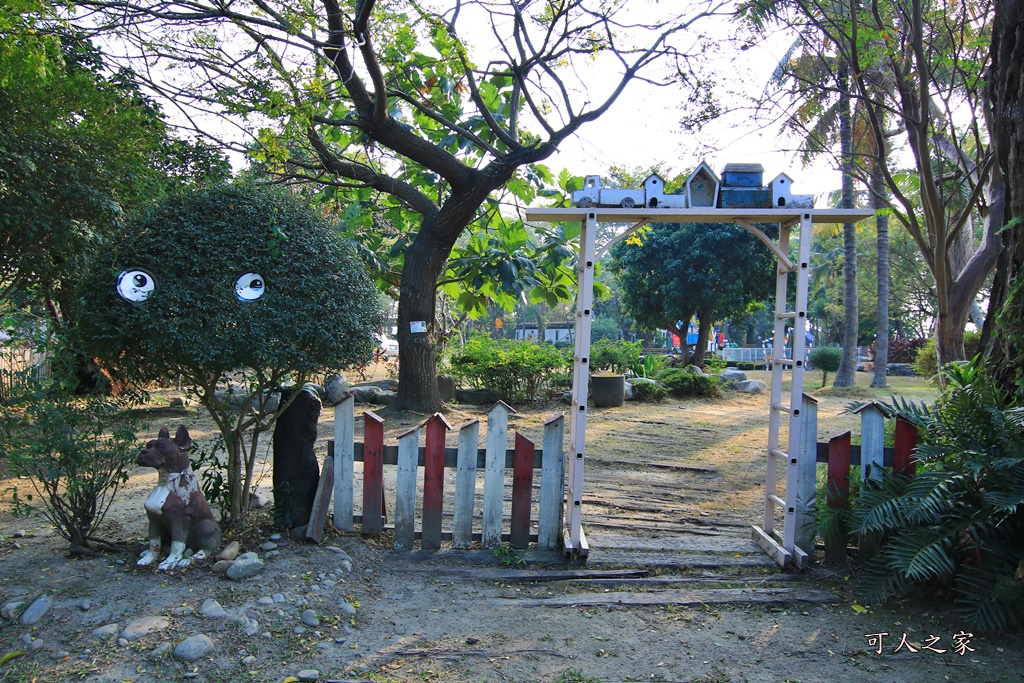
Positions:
(608, 363)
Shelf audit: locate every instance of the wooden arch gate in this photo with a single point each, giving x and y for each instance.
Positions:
(779, 544)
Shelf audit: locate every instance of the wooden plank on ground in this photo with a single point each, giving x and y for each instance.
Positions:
(522, 490)
(405, 490)
(322, 500)
(661, 464)
(465, 485)
(538, 575)
(373, 473)
(711, 596)
(433, 482)
(651, 560)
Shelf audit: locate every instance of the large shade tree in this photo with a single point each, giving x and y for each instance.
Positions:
(918, 75)
(432, 108)
(675, 272)
(235, 282)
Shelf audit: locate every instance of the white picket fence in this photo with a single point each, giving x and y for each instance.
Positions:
(19, 364)
(509, 506)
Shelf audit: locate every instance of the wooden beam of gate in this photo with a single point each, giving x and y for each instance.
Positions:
(522, 488)
(433, 482)
(785, 264)
(373, 473)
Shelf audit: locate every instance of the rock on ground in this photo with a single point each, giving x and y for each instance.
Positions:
(140, 627)
(194, 648)
(36, 611)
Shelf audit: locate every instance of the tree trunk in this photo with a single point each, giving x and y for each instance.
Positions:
(1005, 322)
(417, 367)
(684, 348)
(703, 330)
(846, 375)
(878, 201)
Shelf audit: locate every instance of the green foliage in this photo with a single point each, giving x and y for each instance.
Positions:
(518, 370)
(649, 391)
(714, 364)
(75, 452)
(826, 359)
(319, 311)
(926, 363)
(616, 356)
(961, 519)
(712, 271)
(686, 383)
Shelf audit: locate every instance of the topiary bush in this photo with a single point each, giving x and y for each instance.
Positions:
(826, 359)
(684, 383)
(242, 279)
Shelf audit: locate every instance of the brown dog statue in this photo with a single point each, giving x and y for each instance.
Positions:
(177, 509)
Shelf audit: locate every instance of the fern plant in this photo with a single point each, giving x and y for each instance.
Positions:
(961, 519)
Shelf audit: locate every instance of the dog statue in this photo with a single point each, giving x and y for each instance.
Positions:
(177, 509)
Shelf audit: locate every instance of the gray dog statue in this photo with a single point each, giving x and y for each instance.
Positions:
(177, 510)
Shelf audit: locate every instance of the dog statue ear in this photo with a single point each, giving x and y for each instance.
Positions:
(182, 438)
(164, 434)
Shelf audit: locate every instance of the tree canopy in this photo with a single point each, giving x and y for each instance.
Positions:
(678, 271)
(420, 115)
(242, 280)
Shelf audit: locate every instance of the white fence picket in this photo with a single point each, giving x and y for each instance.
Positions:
(344, 463)
(405, 490)
(494, 474)
(465, 485)
(552, 485)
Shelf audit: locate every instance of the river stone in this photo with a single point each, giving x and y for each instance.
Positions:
(335, 390)
(309, 618)
(160, 651)
(899, 370)
(36, 611)
(245, 566)
(178, 402)
(140, 627)
(230, 551)
(105, 631)
(212, 609)
(733, 375)
(11, 609)
(385, 398)
(750, 386)
(194, 648)
(365, 394)
(446, 387)
(221, 566)
(309, 675)
(478, 397)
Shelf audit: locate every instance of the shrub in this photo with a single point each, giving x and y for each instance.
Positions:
(248, 281)
(518, 370)
(926, 362)
(649, 392)
(901, 350)
(961, 519)
(62, 446)
(684, 383)
(615, 356)
(826, 359)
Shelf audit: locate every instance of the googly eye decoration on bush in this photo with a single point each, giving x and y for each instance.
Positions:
(249, 287)
(135, 285)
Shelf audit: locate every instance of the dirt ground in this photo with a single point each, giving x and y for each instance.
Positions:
(673, 589)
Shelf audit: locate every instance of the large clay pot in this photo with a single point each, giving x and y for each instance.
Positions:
(608, 391)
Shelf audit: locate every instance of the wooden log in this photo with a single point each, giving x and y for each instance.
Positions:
(405, 490)
(522, 490)
(679, 597)
(433, 482)
(494, 474)
(838, 494)
(344, 463)
(552, 485)
(903, 452)
(465, 485)
(373, 473)
(322, 500)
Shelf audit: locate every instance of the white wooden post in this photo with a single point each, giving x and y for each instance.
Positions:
(552, 485)
(872, 441)
(405, 489)
(494, 474)
(344, 463)
(577, 540)
(465, 485)
(807, 490)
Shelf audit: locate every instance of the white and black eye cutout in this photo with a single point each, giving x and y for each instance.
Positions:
(135, 285)
(249, 287)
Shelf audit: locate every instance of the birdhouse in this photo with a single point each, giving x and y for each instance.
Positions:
(743, 175)
(654, 190)
(702, 187)
(591, 192)
(782, 190)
